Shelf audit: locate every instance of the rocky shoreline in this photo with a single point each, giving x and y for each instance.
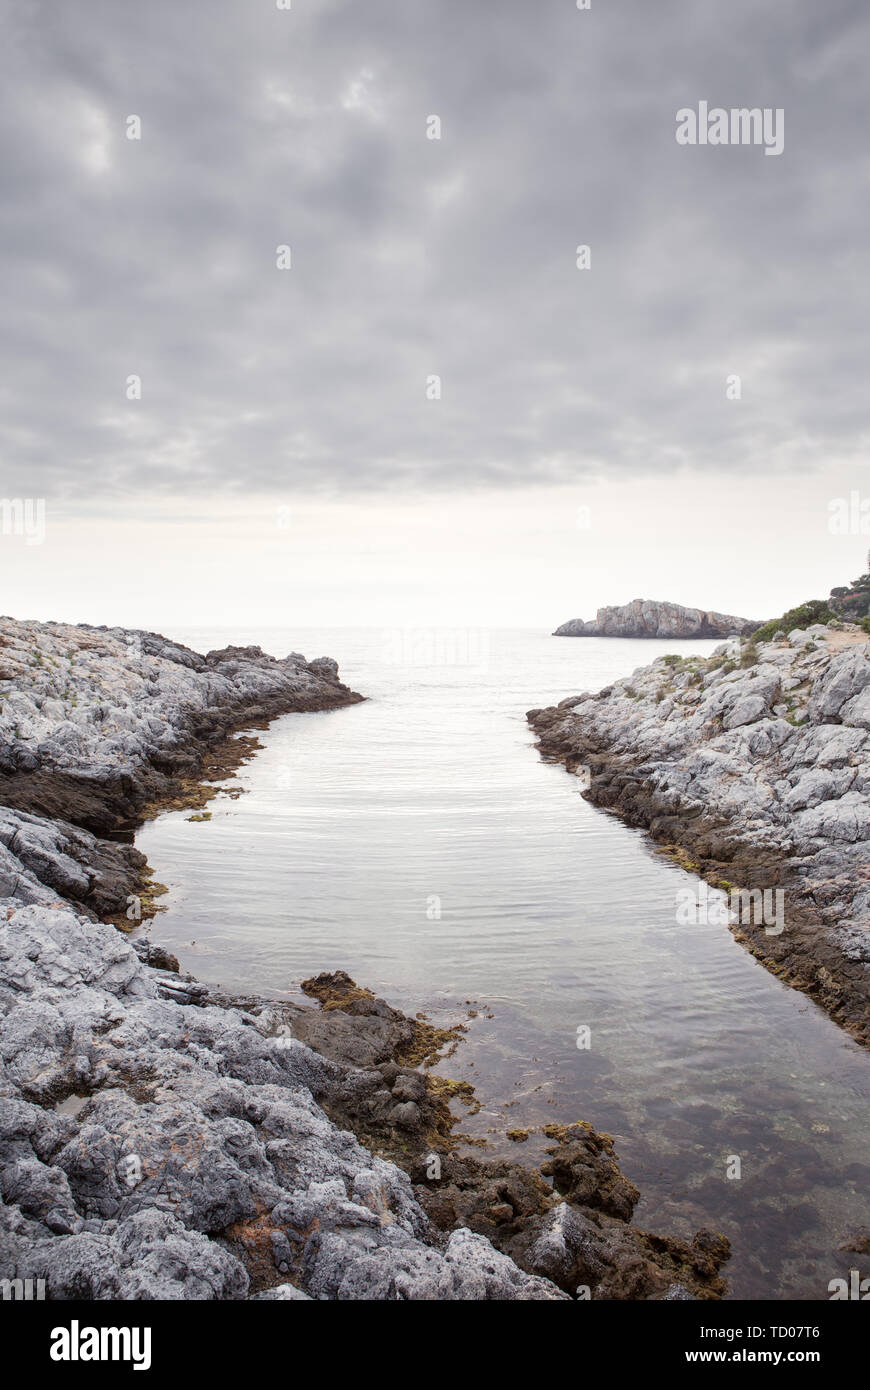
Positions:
(99, 724)
(753, 769)
(159, 1141)
(100, 728)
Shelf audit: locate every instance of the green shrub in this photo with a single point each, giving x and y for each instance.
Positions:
(815, 610)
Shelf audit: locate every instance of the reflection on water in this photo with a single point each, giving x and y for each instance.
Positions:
(418, 842)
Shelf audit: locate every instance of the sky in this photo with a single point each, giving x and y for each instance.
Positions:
(283, 358)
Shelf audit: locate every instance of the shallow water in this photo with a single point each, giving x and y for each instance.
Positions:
(419, 842)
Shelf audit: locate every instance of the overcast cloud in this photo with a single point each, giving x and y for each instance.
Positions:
(412, 257)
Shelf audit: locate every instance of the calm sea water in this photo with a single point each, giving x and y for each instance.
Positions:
(419, 842)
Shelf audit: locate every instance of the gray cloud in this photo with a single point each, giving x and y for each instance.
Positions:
(411, 257)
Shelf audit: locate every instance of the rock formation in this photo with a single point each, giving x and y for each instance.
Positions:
(755, 765)
(648, 618)
(95, 723)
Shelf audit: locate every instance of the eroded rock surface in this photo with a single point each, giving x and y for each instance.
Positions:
(95, 723)
(756, 764)
(154, 1148)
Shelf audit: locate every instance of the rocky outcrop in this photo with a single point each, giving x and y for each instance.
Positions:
(158, 1146)
(577, 1233)
(99, 726)
(648, 618)
(96, 723)
(152, 1148)
(755, 766)
(568, 1222)
(52, 863)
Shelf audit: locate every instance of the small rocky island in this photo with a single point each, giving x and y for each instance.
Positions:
(158, 1141)
(650, 618)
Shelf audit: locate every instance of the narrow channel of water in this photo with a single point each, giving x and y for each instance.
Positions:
(419, 842)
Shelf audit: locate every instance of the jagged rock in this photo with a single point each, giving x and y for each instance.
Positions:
(197, 1163)
(760, 772)
(584, 1170)
(51, 862)
(152, 1149)
(97, 722)
(746, 711)
(149, 1255)
(579, 1251)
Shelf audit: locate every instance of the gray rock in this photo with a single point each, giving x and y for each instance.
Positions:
(196, 1156)
(697, 754)
(843, 679)
(649, 618)
(96, 716)
(745, 711)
